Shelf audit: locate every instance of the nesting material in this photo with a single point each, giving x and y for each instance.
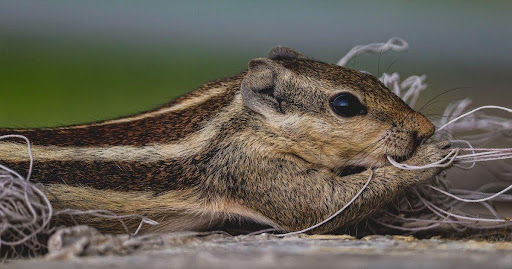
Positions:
(25, 211)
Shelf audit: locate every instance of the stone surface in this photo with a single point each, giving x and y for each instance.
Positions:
(207, 250)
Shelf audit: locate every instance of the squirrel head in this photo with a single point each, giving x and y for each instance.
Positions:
(330, 115)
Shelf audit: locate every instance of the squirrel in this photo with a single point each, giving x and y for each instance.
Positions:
(285, 143)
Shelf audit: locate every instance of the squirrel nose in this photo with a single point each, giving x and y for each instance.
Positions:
(416, 139)
(424, 128)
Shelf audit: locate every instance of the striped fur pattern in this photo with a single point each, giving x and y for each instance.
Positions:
(263, 145)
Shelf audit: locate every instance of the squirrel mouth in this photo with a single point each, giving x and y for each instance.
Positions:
(356, 169)
(400, 158)
(350, 170)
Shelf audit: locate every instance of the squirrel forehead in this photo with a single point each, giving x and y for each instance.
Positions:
(337, 76)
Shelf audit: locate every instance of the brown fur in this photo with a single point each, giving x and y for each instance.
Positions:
(264, 145)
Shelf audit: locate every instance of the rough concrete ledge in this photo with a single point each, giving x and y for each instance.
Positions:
(193, 250)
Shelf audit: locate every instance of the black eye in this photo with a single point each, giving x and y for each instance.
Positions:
(347, 105)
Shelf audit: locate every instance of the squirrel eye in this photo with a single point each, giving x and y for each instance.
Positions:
(347, 105)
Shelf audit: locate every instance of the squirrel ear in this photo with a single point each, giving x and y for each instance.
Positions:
(258, 85)
(281, 52)
(260, 77)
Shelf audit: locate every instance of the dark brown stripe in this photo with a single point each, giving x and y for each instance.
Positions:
(155, 177)
(162, 128)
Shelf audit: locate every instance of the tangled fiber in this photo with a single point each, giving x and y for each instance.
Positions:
(27, 216)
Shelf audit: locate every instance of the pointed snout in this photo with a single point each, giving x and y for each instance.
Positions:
(423, 127)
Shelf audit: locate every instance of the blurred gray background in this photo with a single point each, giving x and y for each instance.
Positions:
(69, 62)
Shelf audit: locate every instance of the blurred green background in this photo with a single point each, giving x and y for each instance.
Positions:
(70, 62)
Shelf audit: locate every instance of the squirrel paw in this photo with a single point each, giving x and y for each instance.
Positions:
(427, 154)
(430, 153)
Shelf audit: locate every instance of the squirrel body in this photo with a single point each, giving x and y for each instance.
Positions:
(279, 144)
